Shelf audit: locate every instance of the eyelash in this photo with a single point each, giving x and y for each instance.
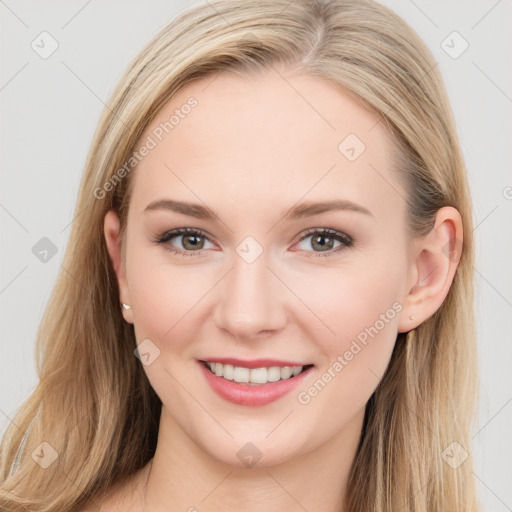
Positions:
(336, 235)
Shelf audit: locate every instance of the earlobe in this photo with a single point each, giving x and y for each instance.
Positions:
(435, 260)
(111, 228)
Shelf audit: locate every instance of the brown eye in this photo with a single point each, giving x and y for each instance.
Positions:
(191, 242)
(188, 241)
(325, 241)
(322, 242)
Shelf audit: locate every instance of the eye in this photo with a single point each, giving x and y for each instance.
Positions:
(324, 240)
(192, 241)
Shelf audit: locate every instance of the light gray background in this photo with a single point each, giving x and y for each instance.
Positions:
(50, 108)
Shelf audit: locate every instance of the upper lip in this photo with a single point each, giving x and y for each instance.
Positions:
(254, 363)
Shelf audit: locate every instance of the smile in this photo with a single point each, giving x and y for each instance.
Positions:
(256, 386)
(254, 376)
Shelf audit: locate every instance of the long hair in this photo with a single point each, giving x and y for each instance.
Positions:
(94, 409)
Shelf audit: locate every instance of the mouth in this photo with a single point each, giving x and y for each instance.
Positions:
(254, 375)
(254, 383)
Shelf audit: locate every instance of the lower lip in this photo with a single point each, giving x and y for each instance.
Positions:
(243, 394)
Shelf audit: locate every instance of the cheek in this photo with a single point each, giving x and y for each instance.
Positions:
(163, 296)
(363, 314)
(354, 311)
(166, 302)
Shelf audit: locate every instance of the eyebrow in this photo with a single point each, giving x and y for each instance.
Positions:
(301, 210)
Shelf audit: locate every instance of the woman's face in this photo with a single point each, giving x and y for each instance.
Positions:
(277, 160)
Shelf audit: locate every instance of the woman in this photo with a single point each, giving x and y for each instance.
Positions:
(266, 301)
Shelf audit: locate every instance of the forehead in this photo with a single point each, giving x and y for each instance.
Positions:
(274, 136)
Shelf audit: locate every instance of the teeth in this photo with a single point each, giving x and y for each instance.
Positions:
(254, 375)
(228, 371)
(274, 373)
(286, 372)
(240, 374)
(258, 375)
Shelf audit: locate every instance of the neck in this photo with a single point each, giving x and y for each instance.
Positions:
(183, 476)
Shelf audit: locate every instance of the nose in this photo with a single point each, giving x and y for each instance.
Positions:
(252, 301)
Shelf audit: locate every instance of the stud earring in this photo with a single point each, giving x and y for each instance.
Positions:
(125, 306)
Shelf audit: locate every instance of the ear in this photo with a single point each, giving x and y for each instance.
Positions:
(435, 258)
(111, 228)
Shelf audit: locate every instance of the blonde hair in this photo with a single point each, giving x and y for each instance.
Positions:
(94, 404)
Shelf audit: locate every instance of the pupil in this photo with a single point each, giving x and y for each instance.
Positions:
(323, 246)
(192, 240)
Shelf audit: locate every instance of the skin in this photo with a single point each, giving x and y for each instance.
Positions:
(253, 148)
